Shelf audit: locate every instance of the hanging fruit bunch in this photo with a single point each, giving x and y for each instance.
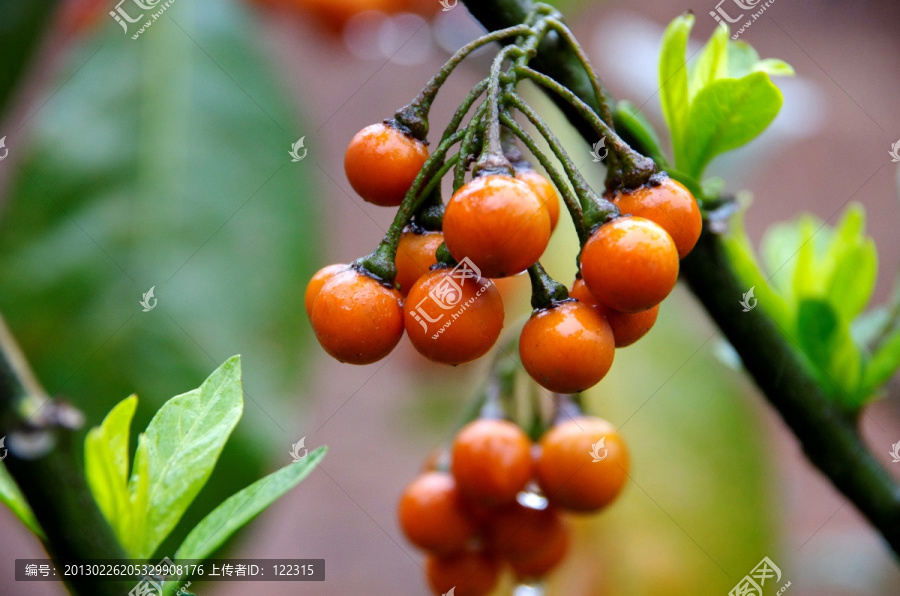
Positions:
(432, 277)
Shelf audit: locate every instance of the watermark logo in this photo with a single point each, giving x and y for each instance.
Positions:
(595, 451)
(295, 450)
(894, 152)
(894, 452)
(723, 14)
(447, 295)
(754, 582)
(748, 306)
(596, 155)
(295, 150)
(448, 5)
(6, 451)
(5, 149)
(145, 301)
(453, 589)
(152, 585)
(124, 17)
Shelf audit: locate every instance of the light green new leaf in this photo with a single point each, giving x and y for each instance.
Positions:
(179, 451)
(774, 67)
(12, 497)
(726, 114)
(853, 279)
(240, 508)
(742, 58)
(882, 365)
(712, 63)
(673, 79)
(631, 124)
(106, 464)
(827, 342)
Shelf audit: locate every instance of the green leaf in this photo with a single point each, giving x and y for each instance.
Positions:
(179, 451)
(673, 79)
(726, 114)
(712, 63)
(239, 509)
(853, 279)
(106, 465)
(774, 67)
(827, 342)
(631, 124)
(12, 497)
(882, 365)
(742, 57)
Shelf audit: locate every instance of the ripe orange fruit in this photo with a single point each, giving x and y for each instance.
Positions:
(432, 514)
(534, 541)
(498, 223)
(544, 190)
(627, 327)
(630, 264)
(470, 573)
(381, 163)
(415, 254)
(566, 470)
(357, 319)
(670, 205)
(451, 318)
(567, 348)
(318, 280)
(491, 461)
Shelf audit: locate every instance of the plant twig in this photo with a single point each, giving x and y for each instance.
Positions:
(830, 440)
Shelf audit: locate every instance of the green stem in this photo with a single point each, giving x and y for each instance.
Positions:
(595, 210)
(545, 291)
(492, 159)
(414, 116)
(569, 198)
(42, 459)
(630, 167)
(467, 146)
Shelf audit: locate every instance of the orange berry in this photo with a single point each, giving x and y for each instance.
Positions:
(534, 541)
(498, 223)
(357, 319)
(382, 162)
(544, 190)
(451, 318)
(318, 280)
(432, 514)
(415, 255)
(630, 264)
(567, 348)
(470, 573)
(670, 205)
(566, 470)
(627, 327)
(491, 461)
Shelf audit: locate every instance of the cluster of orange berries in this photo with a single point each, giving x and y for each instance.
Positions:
(498, 225)
(485, 512)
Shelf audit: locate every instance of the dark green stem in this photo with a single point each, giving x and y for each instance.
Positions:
(492, 159)
(414, 116)
(830, 440)
(43, 460)
(569, 198)
(545, 291)
(467, 146)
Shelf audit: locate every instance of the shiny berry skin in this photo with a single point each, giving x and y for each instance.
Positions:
(381, 163)
(670, 205)
(566, 471)
(357, 319)
(630, 264)
(432, 514)
(544, 190)
(567, 348)
(470, 573)
(439, 296)
(491, 461)
(498, 223)
(317, 281)
(534, 541)
(627, 327)
(415, 254)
